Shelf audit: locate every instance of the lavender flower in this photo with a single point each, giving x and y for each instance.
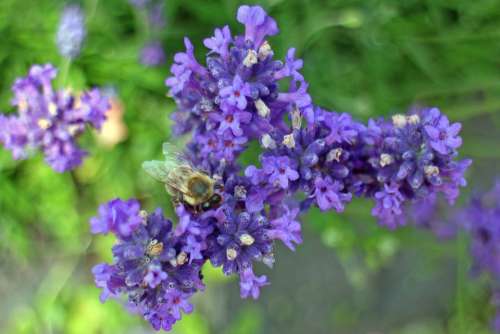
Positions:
(71, 31)
(152, 54)
(237, 93)
(149, 266)
(50, 120)
(118, 217)
(403, 162)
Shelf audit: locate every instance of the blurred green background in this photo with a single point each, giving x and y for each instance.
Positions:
(365, 57)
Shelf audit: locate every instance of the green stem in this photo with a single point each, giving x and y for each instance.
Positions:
(65, 70)
(461, 284)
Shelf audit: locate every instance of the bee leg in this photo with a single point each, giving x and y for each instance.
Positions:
(219, 187)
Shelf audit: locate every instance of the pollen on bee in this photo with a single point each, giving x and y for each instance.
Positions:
(246, 239)
(262, 109)
(251, 58)
(44, 123)
(231, 254)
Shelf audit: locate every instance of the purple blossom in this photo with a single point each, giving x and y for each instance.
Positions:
(443, 136)
(257, 23)
(148, 268)
(50, 120)
(328, 194)
(388, 206)
(279, 170)
(219, 43)
(250, 284)
(117, 216)
(155, 275)
(71, 31)
(287, 229)
(231, 119)
(152, 54)
(236, 93)
(291, 68)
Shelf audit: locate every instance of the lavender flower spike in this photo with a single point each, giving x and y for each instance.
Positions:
(149, 267)
(50, 120)
(71, 31)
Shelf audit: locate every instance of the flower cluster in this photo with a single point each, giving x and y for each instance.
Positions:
(407, 160)
(71, 31)
(152, 53)
(244, 94)
(236, 97)
(480, 218)
(334, 158)
(50, 120)
(150, 265)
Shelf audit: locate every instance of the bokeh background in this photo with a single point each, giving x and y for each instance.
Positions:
(366, 57)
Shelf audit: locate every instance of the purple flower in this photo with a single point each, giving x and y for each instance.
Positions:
(149, 269)
(178, 302)
(328, 194)
(443, 136)
(71, 31)
(388, 206)
(117, 216)
(94, 106)
(219, 43)
(152, 54)
(250, 284)
(102, 274)
(286, 229)
(14, 136)
(279, 170)
(236, 93)
(342, 128)
(240, 239)
(231, 119)
(154, 276)
(291, 68)
(50, 120)
(257, 23)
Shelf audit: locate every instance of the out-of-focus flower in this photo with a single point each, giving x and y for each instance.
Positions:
(50, 120)
(152, 54)
(113, 130)
(71, 31)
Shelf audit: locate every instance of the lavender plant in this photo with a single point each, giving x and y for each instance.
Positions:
(152, 53)
(71, 31)
(310, 156)
(50, 120)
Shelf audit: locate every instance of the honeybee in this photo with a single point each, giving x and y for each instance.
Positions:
(184, 182)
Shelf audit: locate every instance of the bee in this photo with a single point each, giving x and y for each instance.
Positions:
(184, 182)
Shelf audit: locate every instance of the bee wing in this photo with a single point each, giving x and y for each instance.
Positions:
(174, 156)
(158, 170)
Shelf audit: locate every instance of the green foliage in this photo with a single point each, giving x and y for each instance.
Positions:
(370, 58)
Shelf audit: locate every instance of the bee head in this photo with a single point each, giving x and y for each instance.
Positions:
(213, 202)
